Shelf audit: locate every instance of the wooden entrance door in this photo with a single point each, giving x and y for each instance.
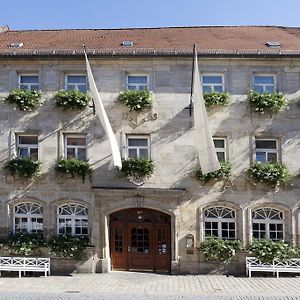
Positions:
(140, 240)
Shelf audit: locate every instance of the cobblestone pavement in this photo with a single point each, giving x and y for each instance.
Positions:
(127, 285)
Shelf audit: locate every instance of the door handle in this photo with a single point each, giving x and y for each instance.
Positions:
(128, 248)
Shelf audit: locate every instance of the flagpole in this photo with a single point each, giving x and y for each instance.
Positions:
(192, 81)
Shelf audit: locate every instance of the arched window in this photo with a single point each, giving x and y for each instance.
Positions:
(220, 222)
(267, 223)
(72, 219)
(28, 217)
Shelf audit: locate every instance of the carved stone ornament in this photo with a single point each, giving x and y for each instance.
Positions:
(138, 118)
(137, 180)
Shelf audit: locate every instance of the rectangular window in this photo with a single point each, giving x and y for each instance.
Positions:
(137, 82)
(75, 147)
(28, 82)
(220, 146)
(76, 82)
(266, 150)
(138, 147)
(27, 146)
(264, 83)
(212, 83)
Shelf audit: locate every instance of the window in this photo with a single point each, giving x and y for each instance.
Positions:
(220, 222)
(75, 147)
(137, 82)
(27, 146)
(138, 147)
(220, 146)
(28, 217)
(212, 83)
(29, 82)
(72, 219)
(264, 83)
(76, 82)
(267, 223)
(266, 150)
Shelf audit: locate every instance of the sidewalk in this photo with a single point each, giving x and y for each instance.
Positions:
(145, 284)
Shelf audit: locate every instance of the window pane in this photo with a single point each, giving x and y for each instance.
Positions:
(212, 79)
(265, 144)
(137, 79)
(23, 139)
(34, 153)
(261, 157)
(219, 143)
(70, 153)
(143, 153)
(264, 80)
(23, 152)
(138, 142)
(81, 154)
(76, 141)
(218, 88)
(258, 88)
(270, 88)
(132, 153)
(221, 156)
(82, 88)
(206, 89)
(272, 157)
(29, 79)
(76, 79)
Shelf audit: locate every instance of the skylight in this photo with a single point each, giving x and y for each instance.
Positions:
(127, 43)
(16, 45)
(273, 44)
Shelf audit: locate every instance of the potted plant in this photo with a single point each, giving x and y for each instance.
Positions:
(136, 100)
(72, 99)
(216, 99)
(74, 167)
(25, 100)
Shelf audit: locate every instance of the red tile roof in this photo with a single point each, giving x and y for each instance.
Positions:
(210, 40)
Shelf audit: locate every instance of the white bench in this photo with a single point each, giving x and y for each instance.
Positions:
(23, 264)
(254, 264)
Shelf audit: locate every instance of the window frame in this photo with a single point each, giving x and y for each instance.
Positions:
(131, 136)
(147, 87)
(29, 216)
(211, 85)
(66, 147)
(73, 218)
(264, 85)
(27, 146)
(220, 220)
(221, 150)
(29, 85)
(267, 222)
(75, 84)
(266, 150)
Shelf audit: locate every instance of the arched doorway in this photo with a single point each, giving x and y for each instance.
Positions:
(140, 240)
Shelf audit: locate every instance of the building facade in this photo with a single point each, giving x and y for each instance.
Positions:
(160, 224)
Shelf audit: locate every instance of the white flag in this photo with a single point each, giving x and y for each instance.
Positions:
(203, 139)
(100, 111)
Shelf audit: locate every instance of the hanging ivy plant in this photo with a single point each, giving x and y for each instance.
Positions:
(218, 249)
(223, 173)
(23, 167)
(268, 250)
(271, 173)
(216, 99)
(262, 102)
(74, 167)
(137, 167)
(136, 99)
(72, 99)
(23, 99)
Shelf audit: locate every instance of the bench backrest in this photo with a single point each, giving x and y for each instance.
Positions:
(292, 263)
(24, 261)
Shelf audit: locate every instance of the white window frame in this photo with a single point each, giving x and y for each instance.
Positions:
(264, 85)
(29, 207)
(138, 147)
(212, 85)
(66, 147)
(28, 85)
(138, 85)
(222, 150)
(220, 220)
(268, 221)
(266, 150)
(72, 218)
(76, 85)
(26, 146)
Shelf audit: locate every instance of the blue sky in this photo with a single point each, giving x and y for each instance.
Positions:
(59, 14)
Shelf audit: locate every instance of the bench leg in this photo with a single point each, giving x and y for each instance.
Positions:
(20, 272)
(277, 274)
(249, 273)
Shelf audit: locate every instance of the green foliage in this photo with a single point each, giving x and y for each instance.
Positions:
(75, 167)
(271, 173)
(272, 102)
(68, 246)
(216, 98)
(25, 243)
(24, 99)
(23, 167)
(223, 173)
(215, 248)
(268, 250)
(136, 99)
(71, 99)
(137, 167)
